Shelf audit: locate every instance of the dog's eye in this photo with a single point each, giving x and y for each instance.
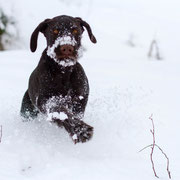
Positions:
(75, 31)
(56, 31)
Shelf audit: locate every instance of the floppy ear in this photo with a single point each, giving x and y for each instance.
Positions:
(34, 36)
(88, 28)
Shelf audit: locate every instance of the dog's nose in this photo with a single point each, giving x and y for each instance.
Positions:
(67, 49)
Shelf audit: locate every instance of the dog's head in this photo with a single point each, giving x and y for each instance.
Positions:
(63, 35)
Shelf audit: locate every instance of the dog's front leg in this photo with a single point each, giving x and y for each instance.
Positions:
(79, 105)
(78, 130)
(62, 114)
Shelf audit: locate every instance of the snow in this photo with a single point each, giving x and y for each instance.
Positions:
(81, 97)
(126, 87)
(74, 137)
(62, 116)
(59, 42)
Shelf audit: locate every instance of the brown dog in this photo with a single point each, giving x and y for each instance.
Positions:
(58, 87)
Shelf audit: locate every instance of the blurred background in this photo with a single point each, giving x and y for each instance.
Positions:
(133, 72)
(115, 23)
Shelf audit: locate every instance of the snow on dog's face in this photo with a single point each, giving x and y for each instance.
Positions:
(63, 35)
(65, 41)
(63, 51)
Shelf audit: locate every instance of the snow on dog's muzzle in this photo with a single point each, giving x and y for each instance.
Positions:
(62, 51)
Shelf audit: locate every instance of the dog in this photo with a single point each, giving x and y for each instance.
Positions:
(58, 87)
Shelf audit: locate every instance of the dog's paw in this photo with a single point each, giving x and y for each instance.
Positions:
(80, 132)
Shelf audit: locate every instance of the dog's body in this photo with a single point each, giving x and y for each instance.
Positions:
(58, 87)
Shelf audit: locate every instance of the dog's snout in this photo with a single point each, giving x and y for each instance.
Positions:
(67, 49)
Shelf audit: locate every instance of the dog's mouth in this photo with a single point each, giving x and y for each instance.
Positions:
(66, 51)
(63, 51)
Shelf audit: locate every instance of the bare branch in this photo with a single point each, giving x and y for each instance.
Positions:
(169, 173)
(145, 148)
(152, 150)
(153, 145)
(151, 49)
(154, 46)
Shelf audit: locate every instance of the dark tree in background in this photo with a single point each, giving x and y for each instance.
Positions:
(7, 29)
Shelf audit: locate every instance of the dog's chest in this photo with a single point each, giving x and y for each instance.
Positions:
(59, 82)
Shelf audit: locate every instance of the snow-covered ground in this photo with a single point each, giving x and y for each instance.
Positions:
(125, 89)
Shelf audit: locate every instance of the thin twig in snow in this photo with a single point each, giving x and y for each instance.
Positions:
(169, 173)
(152, 150)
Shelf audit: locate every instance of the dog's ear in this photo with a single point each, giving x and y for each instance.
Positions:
(40, 28)
(88, 28)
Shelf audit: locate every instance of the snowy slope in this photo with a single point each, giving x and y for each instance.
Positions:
(125, 89)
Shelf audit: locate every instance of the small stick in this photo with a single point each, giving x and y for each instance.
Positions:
(152, 150)
(169, 173)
